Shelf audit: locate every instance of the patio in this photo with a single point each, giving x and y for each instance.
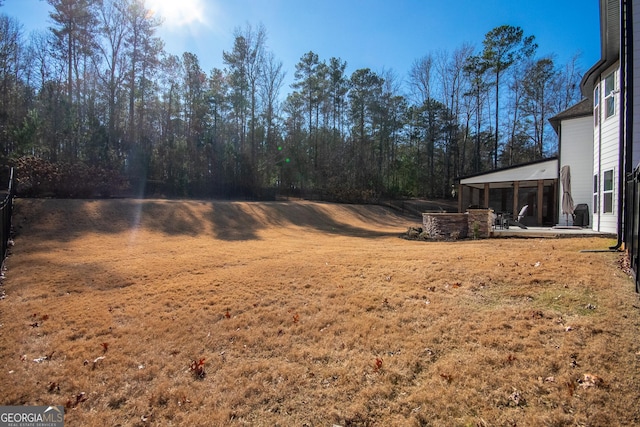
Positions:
(508, 189)
(548, 232)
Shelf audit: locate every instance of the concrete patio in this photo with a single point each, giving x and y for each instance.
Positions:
(550, 232)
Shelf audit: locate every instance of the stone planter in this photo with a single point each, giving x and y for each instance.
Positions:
(445, 226)
(475, 223)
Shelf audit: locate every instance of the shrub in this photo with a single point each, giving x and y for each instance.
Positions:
(37, 177)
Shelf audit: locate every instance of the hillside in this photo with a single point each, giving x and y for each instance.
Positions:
(220, 219)
(154, 312)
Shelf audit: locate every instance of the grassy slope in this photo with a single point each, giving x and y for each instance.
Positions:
(308, 314)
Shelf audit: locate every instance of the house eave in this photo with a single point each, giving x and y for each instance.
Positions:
(609, 45)
(581, 109)
(545, 170)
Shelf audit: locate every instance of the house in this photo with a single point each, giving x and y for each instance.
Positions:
(606, 85)
(574, 128)
(598, 138)
(608, 89)
(613, 86)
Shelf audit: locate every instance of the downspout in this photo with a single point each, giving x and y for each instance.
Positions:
(558, 198)
(599, 186)
(622, 135)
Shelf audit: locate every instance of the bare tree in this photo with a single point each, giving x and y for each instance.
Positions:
(538, 86)
(111, 47)
(245, 61)
(143, 48)
(272, 80)
(421, 79)
(451, 77)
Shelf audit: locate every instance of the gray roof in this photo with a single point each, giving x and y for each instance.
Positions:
(583, 108)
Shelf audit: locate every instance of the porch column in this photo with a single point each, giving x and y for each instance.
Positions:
(556, 214)
(540, 200)
(516, 190)
(486, 195)
(460, 190)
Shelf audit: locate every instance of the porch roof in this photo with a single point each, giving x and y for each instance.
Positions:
(546, 170)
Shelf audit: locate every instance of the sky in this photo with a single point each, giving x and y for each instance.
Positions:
(383, 35)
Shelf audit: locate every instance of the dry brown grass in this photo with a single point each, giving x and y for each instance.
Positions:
(308, 314)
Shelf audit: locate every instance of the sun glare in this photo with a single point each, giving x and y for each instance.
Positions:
(176, 13)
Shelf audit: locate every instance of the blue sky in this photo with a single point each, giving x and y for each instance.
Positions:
(376, 34)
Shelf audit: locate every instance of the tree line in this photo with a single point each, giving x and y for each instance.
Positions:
(95, 104)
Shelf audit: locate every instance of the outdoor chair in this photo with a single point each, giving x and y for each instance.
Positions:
(498, 220)
(509, 220)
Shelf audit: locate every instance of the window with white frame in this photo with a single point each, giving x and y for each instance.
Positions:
(595, 194)
(609, 95)
(596, 105)
(607, 191)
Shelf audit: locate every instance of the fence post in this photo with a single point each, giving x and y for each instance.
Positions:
(632, 224)
(6, 208)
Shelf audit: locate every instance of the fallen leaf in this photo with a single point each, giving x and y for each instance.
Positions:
(516, 399)
(590, 380)
(96, 360)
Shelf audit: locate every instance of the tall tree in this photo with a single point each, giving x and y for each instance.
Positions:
(391, 112)
(503, 46)
(450, 71)
(338, 88)
(170, 160)
(566, 89)
(538, 84)
(365, 93)
(143, 48)
(245, 63)
(421, 78)
(515, 123)
(295, 174)
(307, 82)
(220, 152)
(111, 46)
(40, 54)
(272, 80)
(10, 65)
(475, 71)
(74, 20)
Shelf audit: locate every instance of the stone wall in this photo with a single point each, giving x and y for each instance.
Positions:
(480, 223)
(475, 223)
(445, 226)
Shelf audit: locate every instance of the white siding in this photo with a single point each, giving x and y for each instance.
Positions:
(576, 151)
(606, 148)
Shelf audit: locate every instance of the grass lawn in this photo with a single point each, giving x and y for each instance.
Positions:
(200, 313)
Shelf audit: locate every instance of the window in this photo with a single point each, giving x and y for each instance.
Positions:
(596, 105)
(595, 194)
(607, 192)
(609, 92)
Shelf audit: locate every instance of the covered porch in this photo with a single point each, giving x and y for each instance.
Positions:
(508, 190)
